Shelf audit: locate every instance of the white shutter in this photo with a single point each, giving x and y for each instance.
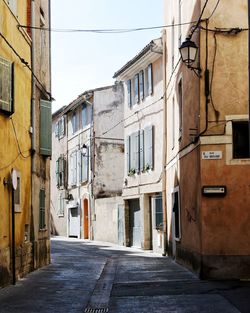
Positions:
(137, 151)
(150, 79)
(141, 150)
(149, 147)
(128, 155)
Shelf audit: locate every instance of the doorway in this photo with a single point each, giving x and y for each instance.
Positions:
(74, 225)
(135, 223)
(85, 219)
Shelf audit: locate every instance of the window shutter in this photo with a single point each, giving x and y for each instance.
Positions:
(6, 86)
(129, 93)
(84, 167)
(149, 147)
(45, 127)
(136, 80)
(128, 153)
(57, 129)
(75, 168)
(57, 172)
(137, 151)
(141, 83)
(150, 79)
(42, 209)
(84, 115)
(141, 150)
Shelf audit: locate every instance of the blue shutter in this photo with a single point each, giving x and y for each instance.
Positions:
(128, 156)
(129, 93)
(45, 127)
(141, 150)
(141, 83)
(150, 79)
(137, 150)
(136, 80)
(149, 147)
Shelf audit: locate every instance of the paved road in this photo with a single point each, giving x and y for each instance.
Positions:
(96, 277)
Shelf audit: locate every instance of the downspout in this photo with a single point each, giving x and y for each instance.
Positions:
(249, 74)
(33, 125)
(164, 148)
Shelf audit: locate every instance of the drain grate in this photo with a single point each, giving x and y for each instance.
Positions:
(100, 310)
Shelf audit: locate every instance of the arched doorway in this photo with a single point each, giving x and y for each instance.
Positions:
(85, 219)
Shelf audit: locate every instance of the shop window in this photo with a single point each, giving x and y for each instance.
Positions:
(240, 140)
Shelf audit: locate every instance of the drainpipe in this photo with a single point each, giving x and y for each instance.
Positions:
(13, 232)
(164, 148)
(33, 125)
(249, 73)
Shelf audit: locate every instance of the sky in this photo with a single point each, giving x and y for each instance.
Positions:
(83, 61)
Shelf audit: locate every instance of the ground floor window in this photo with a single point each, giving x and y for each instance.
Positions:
(157, 212)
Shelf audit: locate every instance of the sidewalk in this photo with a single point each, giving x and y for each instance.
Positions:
(97, 277)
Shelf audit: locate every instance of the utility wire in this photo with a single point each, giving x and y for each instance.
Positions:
(105, 31)
(199, 20)
(17, 141)
(26, 64)
(215, 8)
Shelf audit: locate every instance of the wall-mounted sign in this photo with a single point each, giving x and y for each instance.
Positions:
(211, 155)
(214, 191)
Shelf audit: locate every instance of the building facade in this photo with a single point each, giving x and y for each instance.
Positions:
(207, 165)
(88, 163)
(142, 216)
(18, 225)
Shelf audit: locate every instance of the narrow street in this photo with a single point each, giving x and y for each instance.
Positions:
(88, 276)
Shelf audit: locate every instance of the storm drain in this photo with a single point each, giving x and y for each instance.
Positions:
(99, 299)
(100, 310)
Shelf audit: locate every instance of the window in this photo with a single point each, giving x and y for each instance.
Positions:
(74, 122)
(172, 44)
(73, 168)
(42, 223)
(17, 194)
(84, 166)
(60, 128)
(150, 79)
(141, 84)
(149, 147)
(173, 123)
(157, 212)
(176, 213)
(60, 210)
(140, 151)
(6, 86)
(129, 89)
(60, 172)
(240, 140)
(136, 85)
(180, 22)
(84, 115)
(45, 127)
(180, 107)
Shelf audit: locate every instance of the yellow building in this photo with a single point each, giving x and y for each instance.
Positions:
(17, 222)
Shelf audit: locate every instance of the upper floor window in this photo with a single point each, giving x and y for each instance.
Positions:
(140, 86)
(60, 127)
(60, 171)
(73, 168)
(240, 140)
(6, 86)
(84, 115)
(140, 151)
(74, 122)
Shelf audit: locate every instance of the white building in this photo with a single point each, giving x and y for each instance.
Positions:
(143, 131)
(91, 164)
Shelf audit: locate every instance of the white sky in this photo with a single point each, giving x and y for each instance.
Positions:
(82, 61)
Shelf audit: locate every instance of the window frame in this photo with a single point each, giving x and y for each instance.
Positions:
(9, 67)
(154, 208)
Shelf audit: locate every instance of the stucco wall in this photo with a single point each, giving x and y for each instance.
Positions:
(106, 224)
(10, 156)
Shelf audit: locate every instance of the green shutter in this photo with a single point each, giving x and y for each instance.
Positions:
(42, 223)
(6, 86)
(45, 127)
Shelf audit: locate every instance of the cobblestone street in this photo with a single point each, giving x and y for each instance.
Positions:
(89, 276)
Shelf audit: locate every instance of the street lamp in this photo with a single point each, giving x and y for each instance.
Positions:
(188, 51)
(84, 150)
